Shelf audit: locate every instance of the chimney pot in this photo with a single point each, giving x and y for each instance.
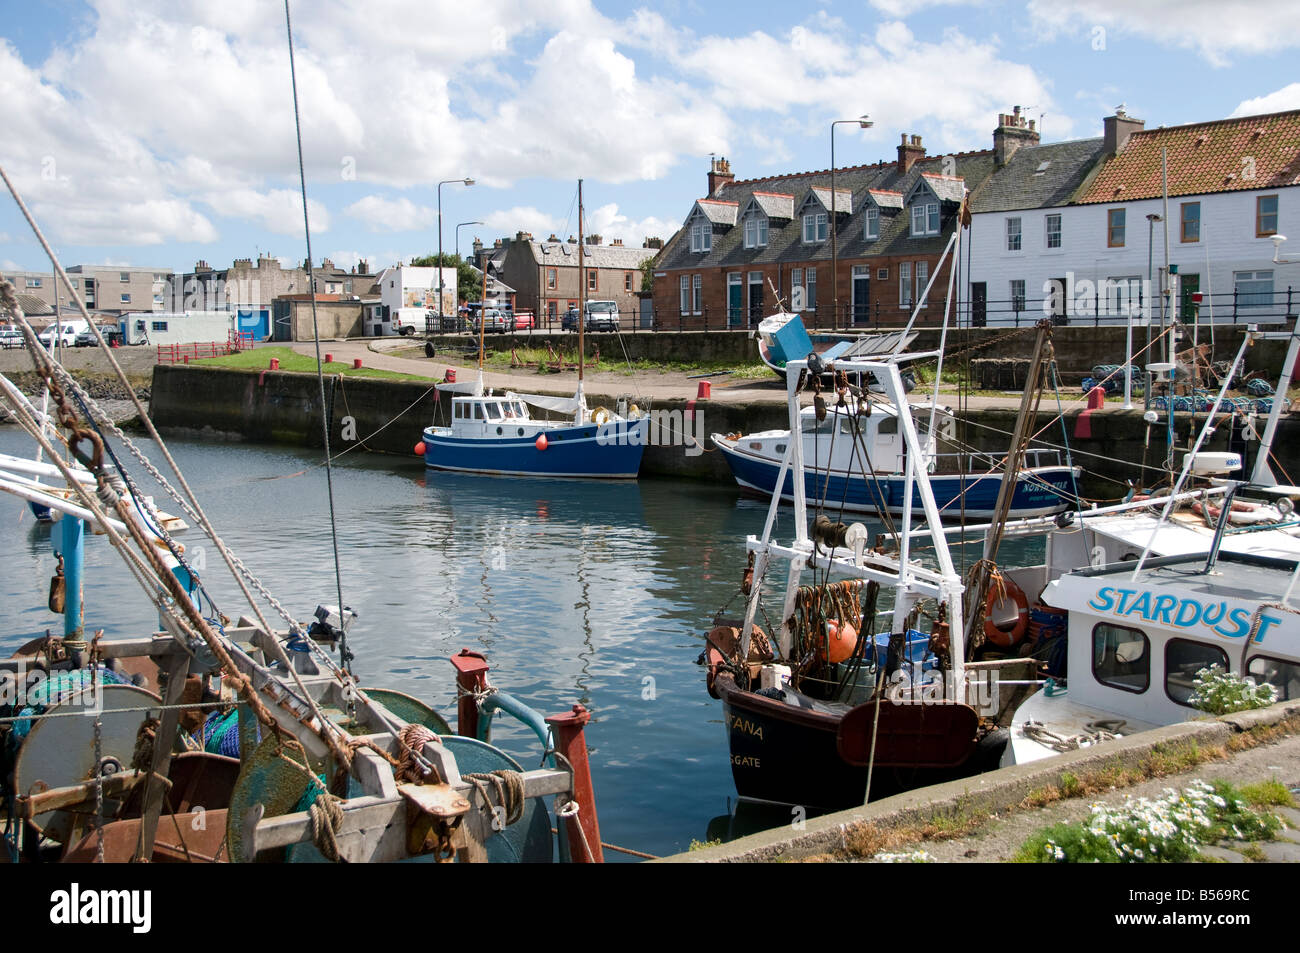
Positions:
(909, 153)
(719, 175)
(1012, 133)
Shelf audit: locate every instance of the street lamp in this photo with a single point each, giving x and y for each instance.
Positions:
(459, 226)
(864, 123)
(465, 181)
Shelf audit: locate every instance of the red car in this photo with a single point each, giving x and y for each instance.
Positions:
(524, 321)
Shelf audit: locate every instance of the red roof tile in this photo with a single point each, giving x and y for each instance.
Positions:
(1252, 152)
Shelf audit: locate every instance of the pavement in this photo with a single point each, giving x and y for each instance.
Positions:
(988, 817)
(383, 353)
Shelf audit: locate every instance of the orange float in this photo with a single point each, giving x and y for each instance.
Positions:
(1002, 588)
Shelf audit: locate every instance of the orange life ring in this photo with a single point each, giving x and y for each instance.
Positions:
(1002, 587)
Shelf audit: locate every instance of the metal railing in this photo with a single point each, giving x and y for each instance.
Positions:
(1228, 307)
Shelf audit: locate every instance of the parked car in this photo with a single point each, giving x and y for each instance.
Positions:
(11, 336)
(524, 321)
(494, 321)
(601, 316)
(86, 338)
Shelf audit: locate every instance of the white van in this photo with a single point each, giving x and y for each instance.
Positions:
(67, 333)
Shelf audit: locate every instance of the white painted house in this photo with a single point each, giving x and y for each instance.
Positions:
(177, 327)
(408, 298)
(1066, 229)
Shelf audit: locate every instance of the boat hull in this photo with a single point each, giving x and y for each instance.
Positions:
(1040, 491)
(788, 755)
(611, 451)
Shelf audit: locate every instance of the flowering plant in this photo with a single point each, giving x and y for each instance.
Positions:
(1221, 693)
(1166, 829)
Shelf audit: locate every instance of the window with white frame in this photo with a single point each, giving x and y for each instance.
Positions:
(1017, 294)
(925, 218)
(904, 284)
(755, 230)
(814, 227)
(685, 296)
(922, 279)
(1120, 296)
(1254, 289)
(697, 293)
(702, 236)
(810, 290)
(1013, 234)
(796, 289)
(33, 282)
(1053, 231)
(871, 231)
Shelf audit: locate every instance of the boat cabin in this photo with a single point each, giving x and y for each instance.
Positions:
(1135, 646)
(833, 439)
(491, 416)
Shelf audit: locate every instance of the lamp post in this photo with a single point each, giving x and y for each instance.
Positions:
(459, 226)
(465, 181)
(864, 123)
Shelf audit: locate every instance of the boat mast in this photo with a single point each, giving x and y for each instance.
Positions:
(582, 292)
(482, 318)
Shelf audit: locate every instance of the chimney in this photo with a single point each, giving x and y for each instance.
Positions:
(478, 247)
(522, 237)
(363, 267)
(326, 264)
(618, 243)
(909, 152)
(1117, 129)
(719, 175)
(553, 238)
(1013, 131)
(202, 266)
(594, 239)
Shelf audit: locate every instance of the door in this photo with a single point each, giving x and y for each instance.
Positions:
(755, 297)
(1060, 300)
(735, 303)
(861, 294)
(979, 304)
(1188, 285)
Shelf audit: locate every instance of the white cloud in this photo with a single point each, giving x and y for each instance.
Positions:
(278, 211)
(610, 224)
(1281, 100)
(522, 218)
(392, 215)
(1213, 27)
(905, 8)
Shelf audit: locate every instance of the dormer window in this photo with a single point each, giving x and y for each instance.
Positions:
(702, 236)
(871, 230)
(756, 231)
(925, 219)
(814, 227)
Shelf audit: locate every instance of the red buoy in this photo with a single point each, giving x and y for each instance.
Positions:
(541, 443)
(419, 449)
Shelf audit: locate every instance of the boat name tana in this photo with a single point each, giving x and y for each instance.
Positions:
(1219, 617)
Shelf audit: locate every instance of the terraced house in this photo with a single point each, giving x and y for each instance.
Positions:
(1079, 230)
(749, 242)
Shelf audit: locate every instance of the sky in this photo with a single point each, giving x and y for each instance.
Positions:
(155, 133)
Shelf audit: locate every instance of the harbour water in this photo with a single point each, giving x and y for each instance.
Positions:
(588, 592)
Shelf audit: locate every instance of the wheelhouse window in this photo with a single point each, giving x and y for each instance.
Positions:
(815, 227)
(1284, 676)
(1265, 216)
(1189, 229)
(1183, 659)
(1115, 228)
(1121, 657)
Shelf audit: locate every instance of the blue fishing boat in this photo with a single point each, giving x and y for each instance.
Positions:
(497, 434)
(857, 460)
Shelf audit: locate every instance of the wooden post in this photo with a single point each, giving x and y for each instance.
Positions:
(583, 828)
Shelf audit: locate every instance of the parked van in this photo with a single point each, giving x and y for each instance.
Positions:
(67, 332)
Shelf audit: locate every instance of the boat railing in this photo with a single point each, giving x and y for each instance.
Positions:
(976, 463)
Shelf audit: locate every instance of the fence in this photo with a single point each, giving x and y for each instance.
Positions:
(193, 351)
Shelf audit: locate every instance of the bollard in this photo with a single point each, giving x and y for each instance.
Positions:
(275, 363)
(702, 392)
(1096, 398)
(329, 358)
(471, 679)
(584, 828)
(1082, 425)
(356, 363)
(451, 375)
(186, 359)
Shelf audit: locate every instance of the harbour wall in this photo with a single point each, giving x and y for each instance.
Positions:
(1078, 347)
(388, 416)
